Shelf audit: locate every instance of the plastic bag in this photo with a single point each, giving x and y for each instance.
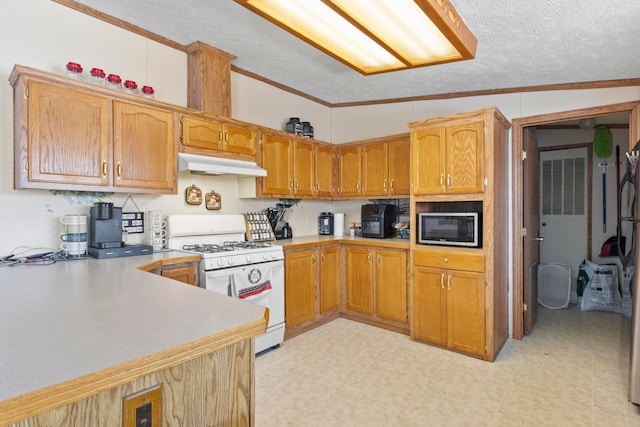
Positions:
(602, 292)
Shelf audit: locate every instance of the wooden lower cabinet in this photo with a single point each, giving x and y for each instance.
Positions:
(312, 288)
(329, 279)
(376, 286)
(301, 273)
(359, 280)
(448, 309)
(186, 273)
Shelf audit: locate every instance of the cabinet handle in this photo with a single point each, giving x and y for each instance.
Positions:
(445, 259)
(219, 136)
(369, 257)
(384, 184)
(313, 259)
(119, 170)
(442, 280)
(290, 183)
(226, 136)
(449, 281)
(449, 180)
(391, 184)
(104, 168)
(322, 259)
(317, 186)
(296, 184)
(378, 260)
(441, 179)
(358, 186)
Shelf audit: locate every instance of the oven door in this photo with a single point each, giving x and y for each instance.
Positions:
(261, 284)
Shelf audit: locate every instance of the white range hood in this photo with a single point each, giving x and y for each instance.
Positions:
(196, 163)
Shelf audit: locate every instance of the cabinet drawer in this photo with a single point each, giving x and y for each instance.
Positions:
(450, 260)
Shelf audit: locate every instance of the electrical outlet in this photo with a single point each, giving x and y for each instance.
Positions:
(143, 409)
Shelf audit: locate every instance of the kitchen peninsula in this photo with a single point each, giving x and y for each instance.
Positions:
(79, 336)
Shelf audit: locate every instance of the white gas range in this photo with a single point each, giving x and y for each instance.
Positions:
(252, 271)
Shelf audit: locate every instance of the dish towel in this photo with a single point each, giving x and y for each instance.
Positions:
(251, 282)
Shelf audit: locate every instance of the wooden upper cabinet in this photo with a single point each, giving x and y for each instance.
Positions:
(399, 170)
(464, 157)
(349, 172)
(448, 159)
(69, 136)
(144, 152)
(304, 168)
(324, 171)
(428, 160)
(239, 140)
(201, 133)
(212, 135)
(375, 169)
(277, 159)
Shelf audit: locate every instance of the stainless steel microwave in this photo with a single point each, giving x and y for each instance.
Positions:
(450, 229)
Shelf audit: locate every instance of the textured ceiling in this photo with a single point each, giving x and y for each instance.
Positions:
(520, 43)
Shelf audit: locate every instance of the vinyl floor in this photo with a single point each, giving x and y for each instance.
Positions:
(569, 371)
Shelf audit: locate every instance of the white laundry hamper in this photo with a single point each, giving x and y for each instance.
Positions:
(554, 285)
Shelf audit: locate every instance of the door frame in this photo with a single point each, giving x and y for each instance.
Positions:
(517, 127)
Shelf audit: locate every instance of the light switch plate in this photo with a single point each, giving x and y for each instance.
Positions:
(143, 409)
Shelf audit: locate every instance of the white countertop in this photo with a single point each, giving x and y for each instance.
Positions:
(73, 318)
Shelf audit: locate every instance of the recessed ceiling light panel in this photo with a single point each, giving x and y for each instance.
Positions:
(374, 36)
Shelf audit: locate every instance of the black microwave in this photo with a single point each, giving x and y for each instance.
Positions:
(450, 229)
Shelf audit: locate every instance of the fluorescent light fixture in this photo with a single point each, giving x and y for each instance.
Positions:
(374, 36)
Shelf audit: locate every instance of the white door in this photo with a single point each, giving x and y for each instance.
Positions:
(563, 207)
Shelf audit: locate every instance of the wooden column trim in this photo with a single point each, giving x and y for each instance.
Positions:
(209, 79)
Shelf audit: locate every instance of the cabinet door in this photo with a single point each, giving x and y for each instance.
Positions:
(428, 160)
(465, 158)
(277, 159)
(300, 286)
(429, 311)
(239, 140)
(185, 274)
(144, 151)
(399, 175)
(349, 171)
(69, 136)
(329, 279)
(303, 169)
(465, 312)
(201, 133)
(359, 280)
(391, 285)
(324, 171)
(375, 170)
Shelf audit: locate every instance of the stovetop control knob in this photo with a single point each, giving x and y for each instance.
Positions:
(220, 262)
(274, 254)
(265, 256)
(230, 261)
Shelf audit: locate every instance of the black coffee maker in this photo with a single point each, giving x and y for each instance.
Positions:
(105, 226)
